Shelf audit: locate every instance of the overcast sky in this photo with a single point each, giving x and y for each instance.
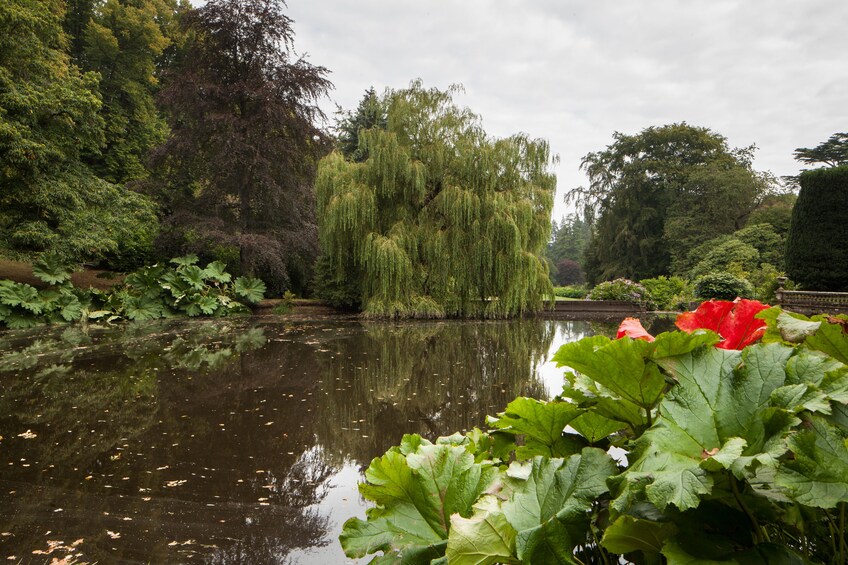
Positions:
(773, 73)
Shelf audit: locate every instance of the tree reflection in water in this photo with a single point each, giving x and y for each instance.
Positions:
(217, 441)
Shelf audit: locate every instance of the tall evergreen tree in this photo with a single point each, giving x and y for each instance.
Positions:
(439, 219)
(239, 164)
(49, 120)
(370, 114)
(817, 245)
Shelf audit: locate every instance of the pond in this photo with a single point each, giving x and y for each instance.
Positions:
(237, 441)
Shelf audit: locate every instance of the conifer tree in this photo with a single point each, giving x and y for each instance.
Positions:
(817, 244)
(440, 219)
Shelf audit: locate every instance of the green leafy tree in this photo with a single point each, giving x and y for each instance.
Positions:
(49, 121)
(236, 174)
(440, 219)
(775, 210)
(833, 152)
(817, 245)
(78, 14)
(123, 42)
(715, 199)
(651, 188)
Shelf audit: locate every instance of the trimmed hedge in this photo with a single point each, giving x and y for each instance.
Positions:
(817, 244)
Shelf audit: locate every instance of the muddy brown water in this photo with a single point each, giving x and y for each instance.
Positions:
(235, 441)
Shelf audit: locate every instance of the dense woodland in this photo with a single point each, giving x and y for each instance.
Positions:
(134, 131)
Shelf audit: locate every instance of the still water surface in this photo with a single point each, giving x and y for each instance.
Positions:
(235, 441)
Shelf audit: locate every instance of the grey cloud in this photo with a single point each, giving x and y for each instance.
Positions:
(573, 72)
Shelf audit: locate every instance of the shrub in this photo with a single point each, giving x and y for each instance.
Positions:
(622, 289)
(669, 293)
(730, 255)
(24, 306)
(817, 244)
(570, 291)
(722, 286)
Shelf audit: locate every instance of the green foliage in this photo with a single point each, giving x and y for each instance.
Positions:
(149, 293)
(669, 293)
(24, 306)
(123, 43)
(159, 291)
(622, 289)
(716, 200)
(370, 114)
(238, 168)
(754, 253)
(731, 255)
(439, 219)
(775, 210)
(722, 286)
(817, 245)
(833, 152)
(570, 292)
(661, 192)
(49, 127)
(566, 248)
(729, 456)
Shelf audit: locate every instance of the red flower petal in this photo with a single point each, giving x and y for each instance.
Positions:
(733, 321)
(632, 328)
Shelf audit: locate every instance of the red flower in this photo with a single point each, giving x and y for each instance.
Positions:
(632, 328)
(733, 321)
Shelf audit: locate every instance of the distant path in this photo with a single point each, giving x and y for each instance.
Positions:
(87, 278)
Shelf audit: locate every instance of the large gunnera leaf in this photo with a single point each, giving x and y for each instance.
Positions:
(417, 487)
(818, 474)
(717, 417)
(542, 425)
(250, 289)
(51, 269)
(545, 517)
(620, 379)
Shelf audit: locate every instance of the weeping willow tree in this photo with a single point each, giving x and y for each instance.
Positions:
(440, 220)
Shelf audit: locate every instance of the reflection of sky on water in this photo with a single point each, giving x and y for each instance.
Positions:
(238, 441)
(565, 332)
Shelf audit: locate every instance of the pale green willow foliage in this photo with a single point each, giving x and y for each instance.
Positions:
(440, 219)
